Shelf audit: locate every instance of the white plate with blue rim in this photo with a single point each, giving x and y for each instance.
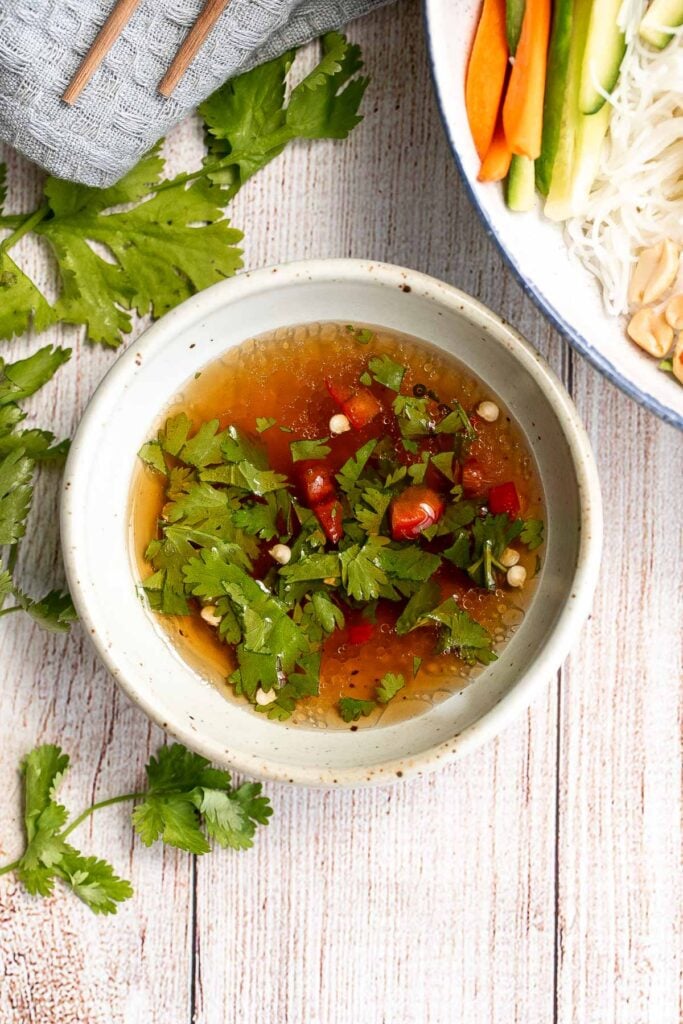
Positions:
(534, 248)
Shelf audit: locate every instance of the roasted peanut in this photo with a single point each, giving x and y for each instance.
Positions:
(654, 272)
(650, 330)
(677, 359)
(674, 312)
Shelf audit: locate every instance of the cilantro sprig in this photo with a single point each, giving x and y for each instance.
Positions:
(186, 803)
(167, 238)
(21, 451)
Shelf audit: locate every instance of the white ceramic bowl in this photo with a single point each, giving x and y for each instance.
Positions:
(532, 245)
(95, 528)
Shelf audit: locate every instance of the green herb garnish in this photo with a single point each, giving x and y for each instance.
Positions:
(389, 686)
(20, 452)
(387, 372)
(185, 803)
(309, 449)
(167, 238)
(363, 335)
(351, 709)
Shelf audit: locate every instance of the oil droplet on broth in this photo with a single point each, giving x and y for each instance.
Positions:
(255, 379)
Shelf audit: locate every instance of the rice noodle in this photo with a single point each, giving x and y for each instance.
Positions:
(637, 197)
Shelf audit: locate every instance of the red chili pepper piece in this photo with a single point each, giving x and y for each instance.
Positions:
(503, 499)
(413, 510)
(360, 406)
(329, 514)
(317, 483)
(360, 632)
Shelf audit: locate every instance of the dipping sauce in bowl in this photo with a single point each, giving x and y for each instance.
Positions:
(337, 524)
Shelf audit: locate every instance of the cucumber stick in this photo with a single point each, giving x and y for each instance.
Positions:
(660, 14)
(569, 192)
(577, 131)
(514, 16)
(605, 47)
(555, 90)
(520, 187)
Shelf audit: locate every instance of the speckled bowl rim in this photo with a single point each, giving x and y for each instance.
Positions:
(560, 638)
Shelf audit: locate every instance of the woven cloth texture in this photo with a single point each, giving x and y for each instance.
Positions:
(120, 114)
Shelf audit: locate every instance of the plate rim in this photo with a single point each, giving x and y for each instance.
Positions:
(575, 339)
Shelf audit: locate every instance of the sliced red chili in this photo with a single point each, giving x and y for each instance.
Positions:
(360, 632)
(360, 406)
(414, 510)
(329, 514)
(317, 483)
(504, 500)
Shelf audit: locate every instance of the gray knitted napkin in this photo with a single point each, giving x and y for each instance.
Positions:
(120, 115)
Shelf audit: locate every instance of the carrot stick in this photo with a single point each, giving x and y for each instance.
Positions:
(523, 105)
(496, 163)
(486, 74)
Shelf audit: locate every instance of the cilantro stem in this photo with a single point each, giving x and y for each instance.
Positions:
(10, 867)
(26, 225)
(96, 807)
(8, 611)
(223, 163)
(13, 220)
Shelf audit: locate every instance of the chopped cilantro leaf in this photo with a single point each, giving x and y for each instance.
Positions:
(362, 574)
(387, 372)
(423, 601)
(371, 509)
(349, 474)
(416, 665)
(175, 433)
(462, 634)
(389, 686)
(532, 533)
(456, 421)
(413, 416)
(258, 519)
(152, 454)
(365, 379)
(262, 481)
(205, 447)
(407, 562)
(417, 471)
(351, 709)
(317, 566)
(444, 463)
(363, 335)
(309, 449)
(238, 446)
(395, 476)
(666, 365)
(459, 551)
(264, 423)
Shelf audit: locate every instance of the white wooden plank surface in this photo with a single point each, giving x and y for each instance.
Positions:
(538, 880)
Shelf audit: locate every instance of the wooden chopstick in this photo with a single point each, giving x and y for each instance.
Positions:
(105, 39)
(194, 39)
